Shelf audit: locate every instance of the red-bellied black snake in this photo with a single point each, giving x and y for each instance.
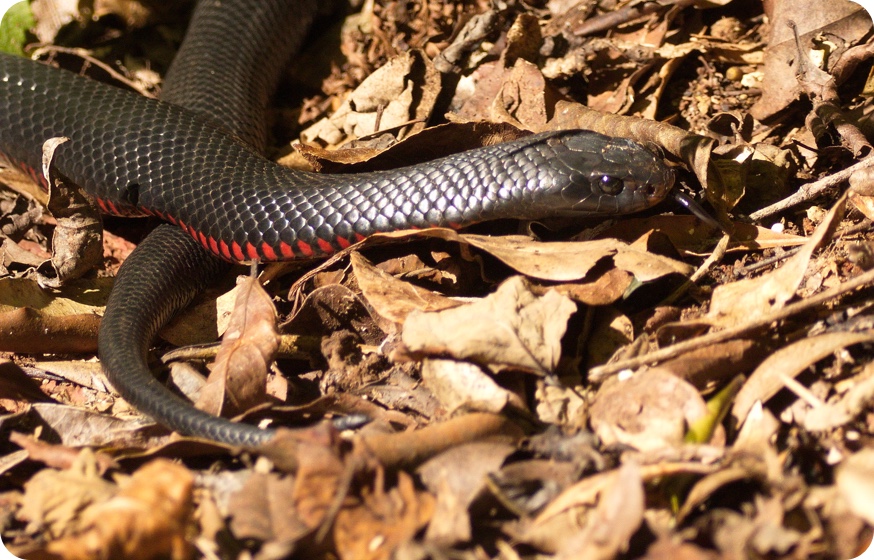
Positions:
(195, 159)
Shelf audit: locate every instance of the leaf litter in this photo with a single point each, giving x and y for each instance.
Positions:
(637, 387)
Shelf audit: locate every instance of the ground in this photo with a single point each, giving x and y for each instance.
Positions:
(645, 386)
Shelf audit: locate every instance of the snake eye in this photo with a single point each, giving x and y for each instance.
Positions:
(610, 185)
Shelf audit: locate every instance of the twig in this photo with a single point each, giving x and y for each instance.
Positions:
(87, 59)
(812, 190)
(602, 372)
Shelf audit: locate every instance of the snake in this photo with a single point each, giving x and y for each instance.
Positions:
(195, 159)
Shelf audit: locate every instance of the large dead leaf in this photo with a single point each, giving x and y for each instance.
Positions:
(394, 299)
(594, 518)
(512, 328)
(397, 98)
(455, 488)
(147, 517)
(650, 410)
(749, 298)
(239, 376)
(785, 364)
(566, 261)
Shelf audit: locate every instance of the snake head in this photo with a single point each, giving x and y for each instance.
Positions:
(607, 176)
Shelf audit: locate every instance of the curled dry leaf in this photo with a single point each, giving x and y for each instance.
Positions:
(239, 377)
(741, 301)
(397, 98)
(787, 363)
(512, 328)
(391, 298)
(455, 488)
(464, 386)
(649, 411)
(594, 518)
(861, 192)
(148, 518)
(77, 243)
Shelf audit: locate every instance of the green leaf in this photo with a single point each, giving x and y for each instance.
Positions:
(17, 22)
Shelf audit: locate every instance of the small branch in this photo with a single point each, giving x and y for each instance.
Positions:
(812, 190)
(600, 373)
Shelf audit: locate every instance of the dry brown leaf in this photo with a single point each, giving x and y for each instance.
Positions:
(747, 299)
(77, 426)
(756, 457)
(456, 477)
(262, 510)
(788, 362)
(563, 406)
(391, 298)
(318, 481)
(838, 18)
(594, 518)
(464, 386)
(573, 260)
(855, 482)
(54, 500)
(693, 238)
(238, 379)
(61, 456)
(383, 521)
(148, 518)
(861, 191)
(649, 410)
(512, 328)
(669, 549)
(15, 384)
(77, 242)
(397, 98)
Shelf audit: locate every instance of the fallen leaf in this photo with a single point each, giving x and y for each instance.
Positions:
(855, 482)
(399, 98)
(55, 499)
(147, 518)
(455, 488)
(649, 410)
(512, 328)
(749, 298)
(238, 379)
(464, 386)
(391, 298)
(384, 520)
(787, 363)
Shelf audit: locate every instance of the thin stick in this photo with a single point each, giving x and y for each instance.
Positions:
(811, 190)
(602, 372)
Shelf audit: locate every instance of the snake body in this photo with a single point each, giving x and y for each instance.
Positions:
(195, 159)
